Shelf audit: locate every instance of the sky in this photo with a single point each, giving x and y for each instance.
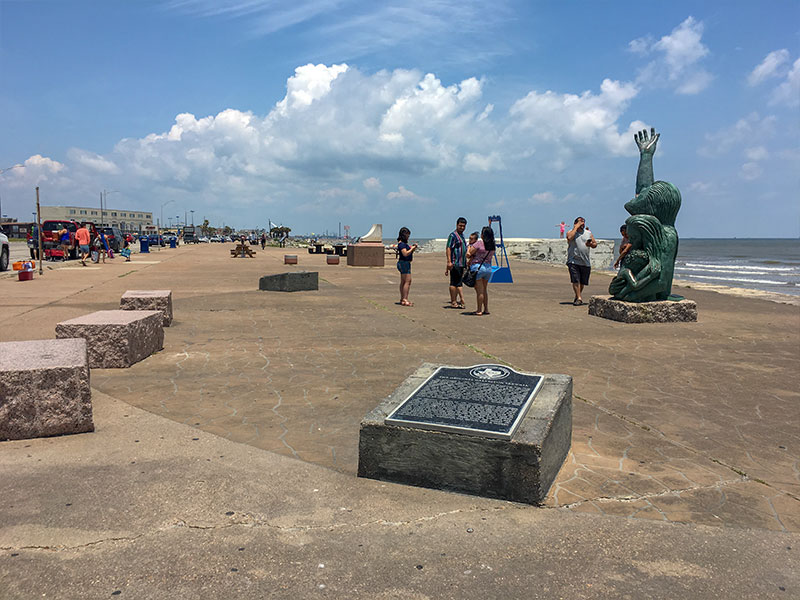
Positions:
(320, 113)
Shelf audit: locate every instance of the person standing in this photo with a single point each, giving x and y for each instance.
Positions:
(263, 240)
(405, 254)
(480, 255)
(456, 252)
(579, 241)
(64, 241)
(561, 229)
(624, 246)
(84, 238)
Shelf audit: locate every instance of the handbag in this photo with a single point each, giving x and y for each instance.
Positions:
(470, 277)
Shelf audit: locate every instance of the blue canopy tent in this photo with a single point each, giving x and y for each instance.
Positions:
(500, 273)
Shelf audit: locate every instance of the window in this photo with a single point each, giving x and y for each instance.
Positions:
(113, 214)
(72, 211)
(83, 212)
(94, 212)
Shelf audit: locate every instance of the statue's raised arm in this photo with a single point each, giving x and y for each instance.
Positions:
(647, 148)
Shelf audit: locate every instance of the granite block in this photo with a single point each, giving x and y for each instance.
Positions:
(295, 281)
(149, 300)
(332, 259)
(44, 389)
(366, 255)
(290, 259)
(661, 311)
(116, 338)
(521, 469)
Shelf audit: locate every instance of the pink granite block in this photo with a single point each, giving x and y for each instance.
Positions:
(116, 338)
(149, 300)
(44, 389)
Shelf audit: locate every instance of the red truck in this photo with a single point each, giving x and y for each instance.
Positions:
(51, 244)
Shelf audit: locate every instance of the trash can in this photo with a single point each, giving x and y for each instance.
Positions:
(173, 243)
(144, 245)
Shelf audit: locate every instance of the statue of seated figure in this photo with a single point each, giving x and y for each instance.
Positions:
(660, 202)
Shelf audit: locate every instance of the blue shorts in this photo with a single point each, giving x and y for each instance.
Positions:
(404, 266)
(484, 271)
(85, 248)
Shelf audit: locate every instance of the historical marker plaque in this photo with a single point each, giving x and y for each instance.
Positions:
(484, 400)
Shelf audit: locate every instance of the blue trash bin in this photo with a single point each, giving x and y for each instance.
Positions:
(144, 245)
(173, 243)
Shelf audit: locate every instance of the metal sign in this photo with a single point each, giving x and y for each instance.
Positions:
(483, 400)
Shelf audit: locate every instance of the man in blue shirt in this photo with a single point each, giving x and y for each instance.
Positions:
(456, 251)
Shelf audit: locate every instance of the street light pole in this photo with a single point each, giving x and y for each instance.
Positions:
(191, 211)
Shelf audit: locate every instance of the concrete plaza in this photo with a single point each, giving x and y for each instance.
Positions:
(226, 463)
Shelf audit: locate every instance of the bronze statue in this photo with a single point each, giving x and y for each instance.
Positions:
(646, 272)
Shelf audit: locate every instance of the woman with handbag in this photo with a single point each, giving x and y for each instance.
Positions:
(479, 256)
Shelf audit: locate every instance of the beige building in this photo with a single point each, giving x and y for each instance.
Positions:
(125, 219)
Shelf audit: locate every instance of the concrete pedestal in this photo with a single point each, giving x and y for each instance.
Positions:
(290, 259)
(149, 300)
(44, 389)
(366, 255)
(521, 469)
(662, 311)
(116, 338)
(297, 281)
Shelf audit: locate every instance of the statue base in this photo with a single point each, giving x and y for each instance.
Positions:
(661, 311)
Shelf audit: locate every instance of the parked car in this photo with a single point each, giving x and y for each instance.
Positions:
(215, 238)
(128, 237)
(156, 240)
(5, 251)
(203, 239)
(113, 237)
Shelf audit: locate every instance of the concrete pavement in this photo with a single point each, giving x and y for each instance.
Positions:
(684, 443)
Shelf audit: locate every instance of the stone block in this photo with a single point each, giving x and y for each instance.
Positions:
(149, 300)
(366, 255)
(295, 281)
(290, 259)
(332, 260)
(44, 389)
(661, 311)
(116, 338)
(521, 469)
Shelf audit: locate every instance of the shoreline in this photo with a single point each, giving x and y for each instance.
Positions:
(706, 287)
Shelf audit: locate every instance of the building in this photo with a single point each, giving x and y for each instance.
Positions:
(126, 219)
(14, 229)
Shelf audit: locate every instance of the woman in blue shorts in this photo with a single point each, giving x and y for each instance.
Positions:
(480, 256)
(405, 254)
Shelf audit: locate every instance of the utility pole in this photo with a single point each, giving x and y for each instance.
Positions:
(39, 228)
(191, 211)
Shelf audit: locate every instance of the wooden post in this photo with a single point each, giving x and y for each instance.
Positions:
(39, 230)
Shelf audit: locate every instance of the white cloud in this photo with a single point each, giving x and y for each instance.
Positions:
(750, 171)
(404, 194)
(575, 123)
(474, 161)
(788, 92)
(372, 183)
(769, 67)
(550, 198)
(756, 153)
(677, 58)
(92, 161)
(309, 83)
(751, 129)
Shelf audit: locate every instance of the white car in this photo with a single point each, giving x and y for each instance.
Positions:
(203, 239)
(5, 251)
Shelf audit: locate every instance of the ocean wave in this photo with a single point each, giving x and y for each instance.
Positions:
(738, 279)
(734, 268)
(732, 271)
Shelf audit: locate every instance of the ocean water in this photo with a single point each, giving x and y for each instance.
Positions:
(758, 264)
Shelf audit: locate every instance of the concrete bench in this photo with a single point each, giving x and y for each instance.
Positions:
(332, 259)
(290, 259)
(149, 300)
(44, 389)
(116, 338)
(297, 281)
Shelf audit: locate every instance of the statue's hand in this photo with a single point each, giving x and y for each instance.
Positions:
(647, 145)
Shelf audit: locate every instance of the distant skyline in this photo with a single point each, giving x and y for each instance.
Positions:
(317, 112)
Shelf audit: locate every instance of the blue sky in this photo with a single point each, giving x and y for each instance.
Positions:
(319, 112)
